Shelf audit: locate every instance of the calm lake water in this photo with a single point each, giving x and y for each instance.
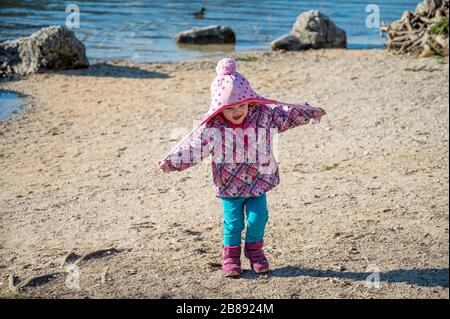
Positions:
(143, 31)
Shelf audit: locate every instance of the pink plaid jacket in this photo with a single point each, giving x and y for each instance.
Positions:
(240, 168)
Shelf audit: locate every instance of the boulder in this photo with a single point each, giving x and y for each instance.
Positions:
(207, 35)
(287, 42)
(312, 30)
(51, 48)
(317, 31)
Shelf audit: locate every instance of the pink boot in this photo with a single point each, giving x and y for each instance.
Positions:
(231, 261)
(255, 253)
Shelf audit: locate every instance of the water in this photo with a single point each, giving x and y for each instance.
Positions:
(10, 103)
(143, 31)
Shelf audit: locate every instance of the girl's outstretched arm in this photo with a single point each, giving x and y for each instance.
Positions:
(196, 148)
(285, 117)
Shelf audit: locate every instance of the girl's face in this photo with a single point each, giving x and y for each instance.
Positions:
(236, 114)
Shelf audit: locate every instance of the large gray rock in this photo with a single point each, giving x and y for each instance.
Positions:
(317, 31)
(207, 35)
(52, 48)
(287, 42)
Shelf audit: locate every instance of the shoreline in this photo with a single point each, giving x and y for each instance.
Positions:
(233, 52)
(13, 109)
(367, 186)
(244, 56)
(239, 56)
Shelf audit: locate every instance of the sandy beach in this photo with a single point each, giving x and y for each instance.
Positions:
(365, 191)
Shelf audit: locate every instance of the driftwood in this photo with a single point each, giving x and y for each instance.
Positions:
(411, 33)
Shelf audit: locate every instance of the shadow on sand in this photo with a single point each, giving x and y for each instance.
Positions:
(432, 277)
(114, 71)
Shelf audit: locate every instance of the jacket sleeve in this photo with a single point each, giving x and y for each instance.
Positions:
(286, 117)
(196, 148)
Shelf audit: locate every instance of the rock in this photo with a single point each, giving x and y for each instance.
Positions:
(52, 48)
(317, 31)
(207, 35)
(287, 42)
(312, 30)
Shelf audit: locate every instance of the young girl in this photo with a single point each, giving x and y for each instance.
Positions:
(237, 131)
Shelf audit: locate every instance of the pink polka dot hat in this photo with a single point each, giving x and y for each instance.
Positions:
(230, 88)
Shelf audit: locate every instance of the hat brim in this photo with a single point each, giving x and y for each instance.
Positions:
(208, 117)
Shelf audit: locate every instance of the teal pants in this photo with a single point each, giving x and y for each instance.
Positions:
(256, 215)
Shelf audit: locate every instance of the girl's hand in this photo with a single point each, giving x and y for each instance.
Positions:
(164, 166)
(316, 115)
